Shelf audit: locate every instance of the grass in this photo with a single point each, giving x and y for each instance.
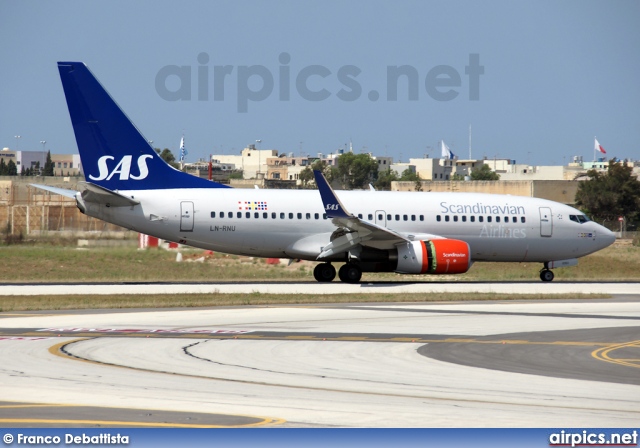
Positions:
(74, 302)
(44, 264)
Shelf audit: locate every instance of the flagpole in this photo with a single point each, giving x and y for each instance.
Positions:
(594, 148)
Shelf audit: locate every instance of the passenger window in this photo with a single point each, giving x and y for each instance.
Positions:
(360, 215)
(497, 219)
(522, 219)
(438, 218)
(370, 217)
(480, 218)
(316, 216)
(299, 215)
(213, 214)
(421, 217)
(239, 215)
(388, 217)
(405, 217)
(273, 215)
(488, 218)
(413, 217)
(282, 215)
(472, 218)
(256, 215)
(308, 216)
(397, 217)
(324, 216)
(248, 214)
(290, 215)
(265, 215)
(230, 214)
(455, 218)
(446, 218)
(464, 218)
(514, 219)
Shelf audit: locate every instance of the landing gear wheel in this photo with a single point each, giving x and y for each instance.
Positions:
(350, 273)
(546, 275)
(324, 272)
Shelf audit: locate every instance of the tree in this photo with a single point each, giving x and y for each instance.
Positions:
(12, 169)
(3, 167)
(409, 175)
(611, 194)
(484, 173)
(356, 171)
(48, 166)
(384, 179)
(306, 175)
(168, 157)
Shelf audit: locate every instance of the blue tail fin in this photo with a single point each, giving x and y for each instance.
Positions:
(113, 152)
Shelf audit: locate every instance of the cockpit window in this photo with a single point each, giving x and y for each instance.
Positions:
(579, 218)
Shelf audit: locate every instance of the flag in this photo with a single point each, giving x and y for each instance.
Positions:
(599, 148)
(183, 151)
(446, 153)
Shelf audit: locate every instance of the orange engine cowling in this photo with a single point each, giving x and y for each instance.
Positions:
(433, 257)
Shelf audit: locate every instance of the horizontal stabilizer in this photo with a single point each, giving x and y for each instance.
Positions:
(60, 191)
(100, 195)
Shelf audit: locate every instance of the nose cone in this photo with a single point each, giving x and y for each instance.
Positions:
(605, 237)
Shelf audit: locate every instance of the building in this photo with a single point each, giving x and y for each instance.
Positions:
(66, 165)
(433, 169)
(252, 161)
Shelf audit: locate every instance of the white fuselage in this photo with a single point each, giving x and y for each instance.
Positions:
(290, 223)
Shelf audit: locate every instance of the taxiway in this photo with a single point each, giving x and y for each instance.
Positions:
(496, 364)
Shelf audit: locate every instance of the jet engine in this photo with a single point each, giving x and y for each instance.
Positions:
(433, 257)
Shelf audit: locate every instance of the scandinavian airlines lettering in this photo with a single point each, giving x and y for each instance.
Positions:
(502, 232)
(123, 168)
(481, 209)
(331, 207)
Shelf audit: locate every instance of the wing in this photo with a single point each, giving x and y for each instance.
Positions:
(355, 231)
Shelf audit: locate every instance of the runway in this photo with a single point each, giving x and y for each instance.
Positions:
(323, 288)
(573, 363)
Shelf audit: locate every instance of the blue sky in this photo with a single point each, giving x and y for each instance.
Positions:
(556, 74)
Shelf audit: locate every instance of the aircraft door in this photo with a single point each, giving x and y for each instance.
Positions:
(546, 221)
(381, 218)
(186, 216)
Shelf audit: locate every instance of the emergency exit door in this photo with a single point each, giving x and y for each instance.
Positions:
(186, 216)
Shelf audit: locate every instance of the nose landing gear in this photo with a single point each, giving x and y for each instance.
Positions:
(546, 274)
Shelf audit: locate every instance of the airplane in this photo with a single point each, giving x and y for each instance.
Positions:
(128, 184)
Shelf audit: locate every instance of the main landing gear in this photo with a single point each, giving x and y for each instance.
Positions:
(324, 272)
(546, 275)
(348, 273)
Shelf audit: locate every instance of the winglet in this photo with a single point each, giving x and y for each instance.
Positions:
(332, 205)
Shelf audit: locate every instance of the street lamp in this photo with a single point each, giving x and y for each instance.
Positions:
(44, 156)
(259, 161)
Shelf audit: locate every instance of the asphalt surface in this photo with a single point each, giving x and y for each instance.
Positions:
(521, 363)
